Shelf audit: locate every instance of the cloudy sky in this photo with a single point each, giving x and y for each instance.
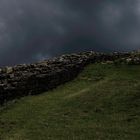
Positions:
(32, 30)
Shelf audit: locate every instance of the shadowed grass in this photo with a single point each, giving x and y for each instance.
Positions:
(102, 103)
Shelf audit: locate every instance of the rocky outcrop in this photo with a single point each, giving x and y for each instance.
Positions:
(23, 80)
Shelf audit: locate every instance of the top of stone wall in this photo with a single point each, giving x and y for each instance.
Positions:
(127, 56)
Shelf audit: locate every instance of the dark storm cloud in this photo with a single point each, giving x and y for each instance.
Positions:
(31, 30)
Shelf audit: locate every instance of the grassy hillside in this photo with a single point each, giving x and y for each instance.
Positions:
(102, 103)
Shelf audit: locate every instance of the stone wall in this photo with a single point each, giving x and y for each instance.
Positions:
(23, 80)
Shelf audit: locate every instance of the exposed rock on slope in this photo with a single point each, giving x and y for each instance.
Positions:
(22, 80)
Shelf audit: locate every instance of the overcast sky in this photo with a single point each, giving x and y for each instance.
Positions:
(31, 30)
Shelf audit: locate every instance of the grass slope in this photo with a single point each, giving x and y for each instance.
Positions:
(102, 103)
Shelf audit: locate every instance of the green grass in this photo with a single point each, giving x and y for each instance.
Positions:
(102, 103)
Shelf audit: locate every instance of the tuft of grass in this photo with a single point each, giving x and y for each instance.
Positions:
(102, 103)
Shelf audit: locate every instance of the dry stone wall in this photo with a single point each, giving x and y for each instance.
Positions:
(23, 80)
